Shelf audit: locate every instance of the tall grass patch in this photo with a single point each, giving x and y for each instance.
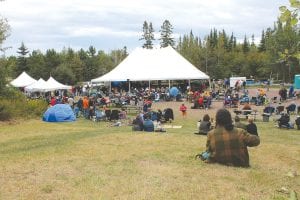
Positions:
(15, 105)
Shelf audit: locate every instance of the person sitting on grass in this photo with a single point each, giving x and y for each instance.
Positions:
(239, 124)
(228, 145)
(205, 125)
(137, 124)
(251, 127)
(148, 124)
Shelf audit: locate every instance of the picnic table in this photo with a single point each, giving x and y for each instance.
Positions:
(132, 108)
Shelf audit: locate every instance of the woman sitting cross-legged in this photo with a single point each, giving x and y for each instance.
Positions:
(205, 125)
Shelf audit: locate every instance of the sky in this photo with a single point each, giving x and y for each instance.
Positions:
(112, 24)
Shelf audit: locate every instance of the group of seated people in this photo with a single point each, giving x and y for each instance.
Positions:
(206, 125)
(285, 121)
(150, 121)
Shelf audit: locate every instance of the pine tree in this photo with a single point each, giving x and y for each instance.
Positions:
(262, 44)
(22, 60)
(148, 35)
(166, 35)
(245, 45)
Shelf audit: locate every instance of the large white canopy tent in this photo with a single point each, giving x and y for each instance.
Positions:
(153, 64)
(22, 80)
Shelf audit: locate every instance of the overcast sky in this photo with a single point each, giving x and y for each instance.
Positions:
(113, 24)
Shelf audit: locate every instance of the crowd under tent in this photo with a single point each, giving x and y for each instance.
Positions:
(152, 65)
(22, 80)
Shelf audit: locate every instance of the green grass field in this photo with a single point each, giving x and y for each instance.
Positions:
(88, 160)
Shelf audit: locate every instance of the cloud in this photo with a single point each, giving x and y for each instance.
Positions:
(76, 22)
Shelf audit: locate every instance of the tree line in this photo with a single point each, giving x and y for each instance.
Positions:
(219, 54)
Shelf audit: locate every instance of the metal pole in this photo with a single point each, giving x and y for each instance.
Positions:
(128, 86)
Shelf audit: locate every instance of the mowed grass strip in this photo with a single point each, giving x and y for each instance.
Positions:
(88, 160)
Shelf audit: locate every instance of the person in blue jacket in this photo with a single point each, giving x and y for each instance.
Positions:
(148, 124)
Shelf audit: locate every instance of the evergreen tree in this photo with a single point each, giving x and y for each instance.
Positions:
(22, 60)
(245, 45)
(148, 35)
(166, 35)
(262, 44)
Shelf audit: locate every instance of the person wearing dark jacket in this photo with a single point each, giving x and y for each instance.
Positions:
(205, 125)
(251, 127)
(148, 124)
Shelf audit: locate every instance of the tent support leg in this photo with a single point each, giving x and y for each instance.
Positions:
(128, 86)
(169, 84)
(109, 86)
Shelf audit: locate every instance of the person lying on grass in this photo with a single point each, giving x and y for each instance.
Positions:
(228, 145)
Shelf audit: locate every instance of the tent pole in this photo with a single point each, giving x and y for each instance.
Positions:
(149, 85)
(109, 86)
(169, 84)
(128, 86)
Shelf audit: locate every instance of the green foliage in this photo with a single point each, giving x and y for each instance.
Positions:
(15, 105)
(22, 59)
(4, 31)
(148, 35)
(166, 32)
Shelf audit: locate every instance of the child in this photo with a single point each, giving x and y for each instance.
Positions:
(183, 109)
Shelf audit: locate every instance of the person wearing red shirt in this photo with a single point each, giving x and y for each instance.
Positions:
(201, 101)
(183, 110)
(53, 101)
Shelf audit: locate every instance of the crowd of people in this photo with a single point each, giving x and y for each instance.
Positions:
(227, 138)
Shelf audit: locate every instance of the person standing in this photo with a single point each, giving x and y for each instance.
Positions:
(183, 110)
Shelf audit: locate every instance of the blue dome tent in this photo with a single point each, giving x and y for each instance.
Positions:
(174, 91)
(59, 113)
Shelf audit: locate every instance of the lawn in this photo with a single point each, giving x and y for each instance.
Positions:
(88, 160)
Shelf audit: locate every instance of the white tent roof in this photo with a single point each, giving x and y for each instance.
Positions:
(52, 85)
(37, 86)
(22, 80)
(153, 64)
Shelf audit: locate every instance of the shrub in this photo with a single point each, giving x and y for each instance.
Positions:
(15, 105)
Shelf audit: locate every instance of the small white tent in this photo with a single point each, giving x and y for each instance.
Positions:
(52, 84)
(22, 80)
(153, 64)
(37, 86)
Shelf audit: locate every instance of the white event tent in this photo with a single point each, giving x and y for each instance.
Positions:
(37, 86)
(45, 86)
(52, 85)
(153, 64)
(22, 80)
